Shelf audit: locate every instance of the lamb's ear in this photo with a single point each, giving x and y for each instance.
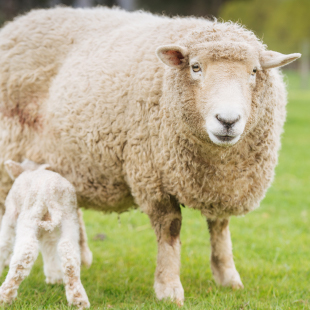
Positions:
(270, 59)
(174, 56)
(45, 167)
(30, 165)
(13, 168)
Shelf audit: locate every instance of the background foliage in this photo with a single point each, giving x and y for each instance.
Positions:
(283, 24)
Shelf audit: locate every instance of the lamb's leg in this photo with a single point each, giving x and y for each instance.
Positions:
(7, 237)
(48, 246)
(25, 253)
(69, 253)
(86, 254)
(222, 262)
(2, 209)
(166, 220)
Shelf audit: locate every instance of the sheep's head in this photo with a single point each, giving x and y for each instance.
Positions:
(213, 85)
(14, 168)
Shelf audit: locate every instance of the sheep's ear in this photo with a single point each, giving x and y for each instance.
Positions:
(13, 168)
(174, 56)
(270, 59)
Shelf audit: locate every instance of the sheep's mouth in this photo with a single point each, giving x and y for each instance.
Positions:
(225, 138)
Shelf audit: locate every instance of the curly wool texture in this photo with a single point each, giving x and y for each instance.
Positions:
(83, 91)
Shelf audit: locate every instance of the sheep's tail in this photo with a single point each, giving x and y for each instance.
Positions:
(52, 218)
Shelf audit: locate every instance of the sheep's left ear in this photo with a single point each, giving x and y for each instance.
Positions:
(270, 59)
(174, 56)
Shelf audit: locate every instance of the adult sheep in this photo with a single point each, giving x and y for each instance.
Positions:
(82, 90)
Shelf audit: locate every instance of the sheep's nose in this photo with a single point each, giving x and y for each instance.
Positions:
(227, 122)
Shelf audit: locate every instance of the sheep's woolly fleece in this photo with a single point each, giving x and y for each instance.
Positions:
(82, 90)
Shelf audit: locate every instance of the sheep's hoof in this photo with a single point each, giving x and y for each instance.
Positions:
(237, 286)
(172, 291)
(228, 278)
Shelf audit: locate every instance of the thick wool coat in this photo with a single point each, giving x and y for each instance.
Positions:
(82, 90)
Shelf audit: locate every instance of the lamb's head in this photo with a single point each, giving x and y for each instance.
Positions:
(213, 84)
(14, 168)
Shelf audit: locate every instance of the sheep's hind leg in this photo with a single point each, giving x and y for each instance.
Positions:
(69, 253)
(25, 253)
(166, 220)
(52, 267)
(222, 262)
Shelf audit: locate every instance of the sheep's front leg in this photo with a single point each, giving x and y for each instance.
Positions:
(166, 220)
(222, 262)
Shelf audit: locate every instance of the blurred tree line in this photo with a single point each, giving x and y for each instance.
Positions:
(10, 8)
(284, 25)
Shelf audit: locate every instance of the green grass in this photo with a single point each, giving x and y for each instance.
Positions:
(271, 246)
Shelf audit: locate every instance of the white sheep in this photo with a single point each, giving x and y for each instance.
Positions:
(200, 124)
(41, 212)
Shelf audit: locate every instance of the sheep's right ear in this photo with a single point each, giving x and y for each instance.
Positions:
(271, 59)
(174, 56)
(13, 168)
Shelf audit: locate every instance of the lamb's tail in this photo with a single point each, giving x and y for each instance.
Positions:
(52, 218)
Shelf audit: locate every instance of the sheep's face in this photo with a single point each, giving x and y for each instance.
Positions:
(215, 83)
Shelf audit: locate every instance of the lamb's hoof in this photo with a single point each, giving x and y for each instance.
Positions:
(79, 301)
(172, 291)
(81, 304)
(53, 280)
(77, 296)
(5, 299)
(86, 257)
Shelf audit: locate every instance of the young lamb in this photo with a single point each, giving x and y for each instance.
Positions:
(41, 212)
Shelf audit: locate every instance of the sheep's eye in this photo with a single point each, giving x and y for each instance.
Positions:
(254, 70)
(196, 68)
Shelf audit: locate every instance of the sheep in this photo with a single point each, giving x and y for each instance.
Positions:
(41, 210)
(140, 110)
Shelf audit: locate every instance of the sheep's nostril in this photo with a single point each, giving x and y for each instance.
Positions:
(227, 122)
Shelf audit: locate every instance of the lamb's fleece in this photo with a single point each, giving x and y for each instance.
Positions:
(41, 210)
(82, 90)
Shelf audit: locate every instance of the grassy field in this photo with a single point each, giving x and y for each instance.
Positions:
(271, 245)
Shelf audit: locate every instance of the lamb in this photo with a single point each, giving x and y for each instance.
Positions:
(160, 112)
(41, 211)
